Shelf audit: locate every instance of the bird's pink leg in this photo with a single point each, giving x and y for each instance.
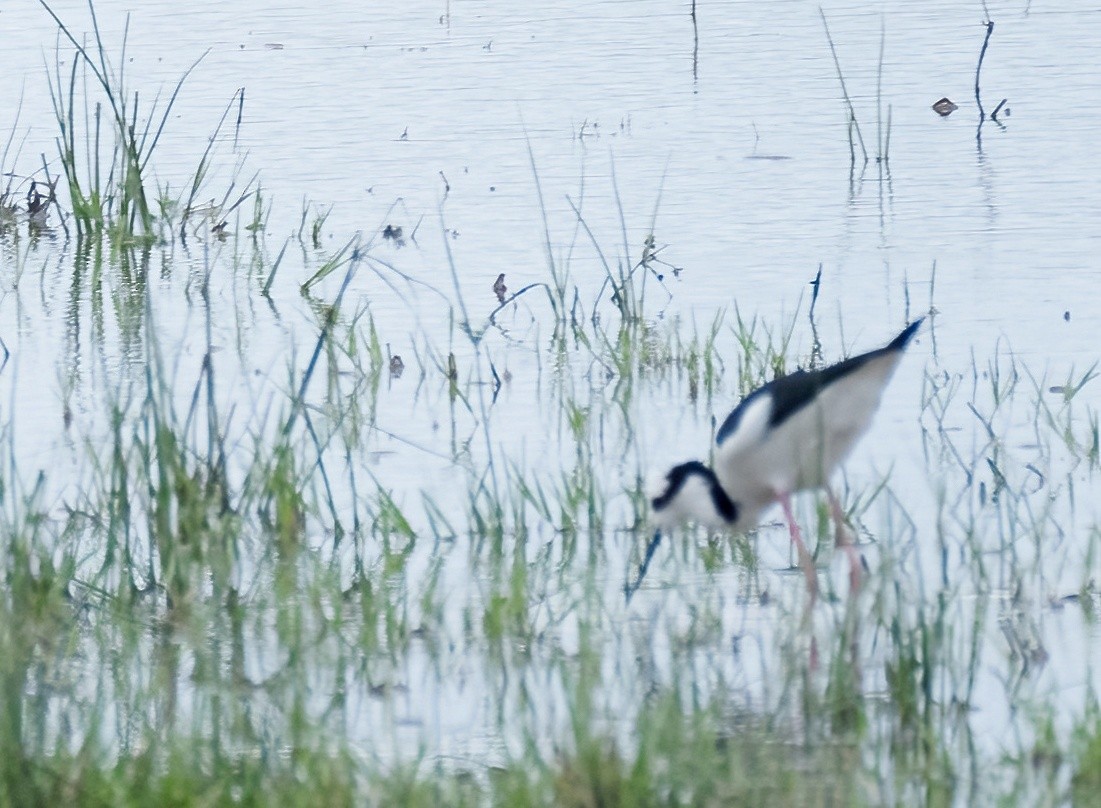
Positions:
(806, 563)
(843, 539)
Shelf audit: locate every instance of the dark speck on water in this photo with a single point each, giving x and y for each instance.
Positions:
(944, 107)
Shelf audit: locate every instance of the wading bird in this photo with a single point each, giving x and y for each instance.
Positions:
(788, 436)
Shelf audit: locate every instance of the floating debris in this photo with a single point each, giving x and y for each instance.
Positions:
(397, 367)
(499, 288)
(38, 203)
(944, 107)
(394, 234)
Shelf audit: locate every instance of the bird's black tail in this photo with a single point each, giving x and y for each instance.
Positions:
(899, 342)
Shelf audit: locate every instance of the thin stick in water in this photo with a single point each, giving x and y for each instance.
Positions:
(978, 69)
(844, 90)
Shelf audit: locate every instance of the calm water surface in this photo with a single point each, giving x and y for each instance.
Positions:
(732, 150)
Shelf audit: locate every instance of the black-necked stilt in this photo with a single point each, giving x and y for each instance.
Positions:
(789, 435)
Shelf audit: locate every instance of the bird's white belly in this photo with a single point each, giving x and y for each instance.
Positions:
(804, 451)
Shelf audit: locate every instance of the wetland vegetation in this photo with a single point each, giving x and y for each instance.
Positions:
(214, 591)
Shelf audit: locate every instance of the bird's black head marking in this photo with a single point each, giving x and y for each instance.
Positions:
(679, 475)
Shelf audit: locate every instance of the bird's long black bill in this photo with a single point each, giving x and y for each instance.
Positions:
(630, 589)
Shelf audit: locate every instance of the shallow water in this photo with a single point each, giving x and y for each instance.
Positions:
(326, 110)
(733, 152)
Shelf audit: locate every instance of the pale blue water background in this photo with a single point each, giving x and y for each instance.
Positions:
(1011, 224)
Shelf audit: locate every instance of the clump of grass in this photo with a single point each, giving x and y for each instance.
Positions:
(113, 196)
(106, 151)
(182, 772)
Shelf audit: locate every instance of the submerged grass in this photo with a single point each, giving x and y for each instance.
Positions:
(242, 599)
(230, 593)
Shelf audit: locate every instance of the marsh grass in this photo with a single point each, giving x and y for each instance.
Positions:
(271, 583)
(243, 558)
(107, 136)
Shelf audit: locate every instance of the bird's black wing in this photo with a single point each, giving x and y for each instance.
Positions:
(730, 425)
(791, 393)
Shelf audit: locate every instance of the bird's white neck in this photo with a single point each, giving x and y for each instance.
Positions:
(691, 492)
